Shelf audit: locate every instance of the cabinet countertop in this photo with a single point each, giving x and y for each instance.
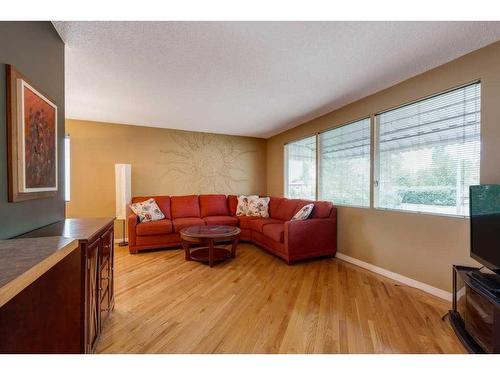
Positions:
(23, 260)
(83, 229)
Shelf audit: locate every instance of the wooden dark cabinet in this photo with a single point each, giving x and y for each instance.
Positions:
(45, 316)
(97, 257)
(96, 248)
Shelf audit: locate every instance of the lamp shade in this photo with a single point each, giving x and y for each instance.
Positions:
(123, 189)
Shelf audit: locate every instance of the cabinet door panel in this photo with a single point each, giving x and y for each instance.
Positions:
(104, 291)
(107, 245)
(92, 291)
(104, 306)
(110, 235)
(106, 275)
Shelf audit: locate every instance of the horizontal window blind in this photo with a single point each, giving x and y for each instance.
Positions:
(300, 172)
(344, 167)
(428, 153)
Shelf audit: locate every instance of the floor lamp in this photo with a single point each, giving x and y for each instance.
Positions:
(123, 194)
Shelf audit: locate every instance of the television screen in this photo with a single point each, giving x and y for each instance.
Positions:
(485, 225)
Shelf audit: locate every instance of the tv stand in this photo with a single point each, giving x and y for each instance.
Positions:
(475, 313)
(489, 281)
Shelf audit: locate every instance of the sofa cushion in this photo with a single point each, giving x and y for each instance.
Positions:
(274, 203)
(301, 203)
(243, 202)
(232, 203)
(163, 201)
(213, 205)
(147, 210)
(304, 212)
(221, 220)
(259, 223)
(321, 210)
(153, 228)
(258, 207)
(286, 209)
(185, 206)
(185, 222)
(274, 231)
(245, 221)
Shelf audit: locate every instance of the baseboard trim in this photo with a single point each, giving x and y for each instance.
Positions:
(118, 240)
(397, 277)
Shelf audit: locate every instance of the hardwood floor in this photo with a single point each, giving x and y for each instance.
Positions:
(258, 304)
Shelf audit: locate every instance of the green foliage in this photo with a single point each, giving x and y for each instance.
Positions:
(441, 197)
(434, 185)
(442, 172)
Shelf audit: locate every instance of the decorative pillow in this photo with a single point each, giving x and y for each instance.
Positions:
(258, 207)
(242, 208)
(304, 212)
(147, 210)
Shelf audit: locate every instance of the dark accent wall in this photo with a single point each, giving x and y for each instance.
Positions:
(36, 50)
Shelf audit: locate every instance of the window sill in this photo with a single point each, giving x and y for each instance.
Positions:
(451, 216)
(422, 213)
(348, 205)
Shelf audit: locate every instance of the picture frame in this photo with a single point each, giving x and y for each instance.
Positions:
(32, 143)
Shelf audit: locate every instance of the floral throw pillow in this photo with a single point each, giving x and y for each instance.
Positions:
(243, 201)
(147, 210)
(304, 212)
(259, 207)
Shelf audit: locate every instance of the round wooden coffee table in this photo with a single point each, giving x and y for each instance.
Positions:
(208, 235)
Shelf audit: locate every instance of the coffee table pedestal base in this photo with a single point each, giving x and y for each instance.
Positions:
(203, 254)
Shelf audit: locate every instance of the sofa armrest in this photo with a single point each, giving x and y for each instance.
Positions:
(311, 236)
(133, 219)
(333, 213)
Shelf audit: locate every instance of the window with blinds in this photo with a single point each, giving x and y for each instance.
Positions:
(428, 153)
(300, 169)
(344, 166)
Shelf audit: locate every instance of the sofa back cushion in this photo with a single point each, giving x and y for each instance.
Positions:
(301, 203)
(232, 203)
(274, 203)
(285, 210)
(185, 206)
(213, 205)
(322, 209)
(163, 201)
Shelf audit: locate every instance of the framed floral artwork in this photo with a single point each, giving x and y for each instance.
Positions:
(32, 140)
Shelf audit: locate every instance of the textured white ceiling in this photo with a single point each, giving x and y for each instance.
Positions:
(246, 78)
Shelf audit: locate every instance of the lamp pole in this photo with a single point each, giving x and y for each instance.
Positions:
(123, 242)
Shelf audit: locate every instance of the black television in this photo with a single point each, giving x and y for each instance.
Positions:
(484, 206)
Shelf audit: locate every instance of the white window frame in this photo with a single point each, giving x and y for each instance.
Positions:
(285, 157)
(376, 158)
(318, 154)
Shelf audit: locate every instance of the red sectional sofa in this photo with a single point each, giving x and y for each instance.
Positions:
(289, 240)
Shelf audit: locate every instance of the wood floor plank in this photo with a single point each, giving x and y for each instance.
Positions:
(256, 303)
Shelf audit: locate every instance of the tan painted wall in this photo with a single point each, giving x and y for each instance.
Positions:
(164, 161)
(419, 246)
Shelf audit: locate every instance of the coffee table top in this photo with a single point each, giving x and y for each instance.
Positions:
(210, 231)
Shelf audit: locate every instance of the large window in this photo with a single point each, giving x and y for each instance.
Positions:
(428, 153)
(344, 166)
(300, 169)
